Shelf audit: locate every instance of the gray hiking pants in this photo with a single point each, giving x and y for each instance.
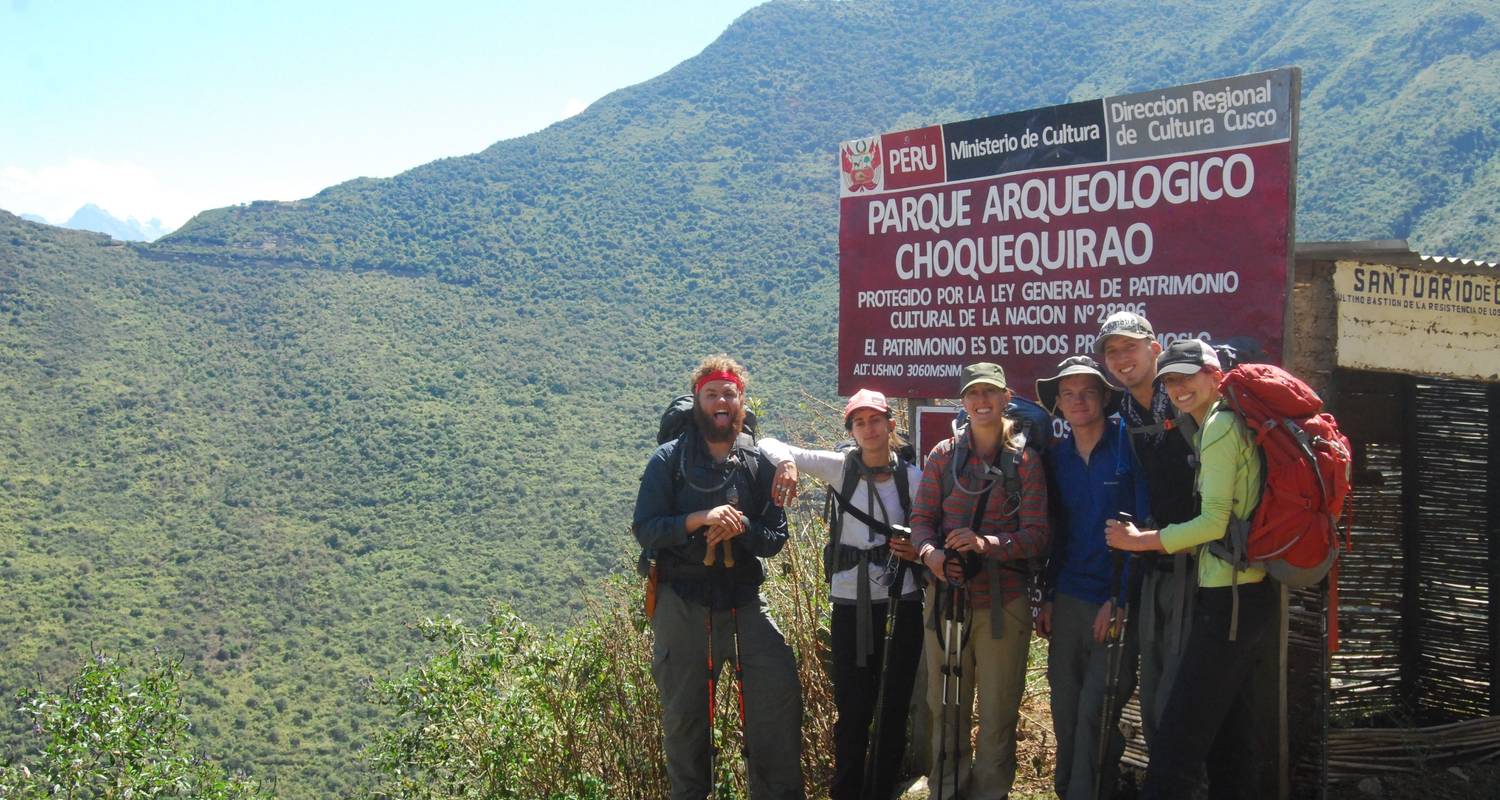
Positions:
(1077, 671)
(773, 696)
(1163, 621)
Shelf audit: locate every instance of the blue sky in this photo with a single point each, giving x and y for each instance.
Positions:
(164, 108)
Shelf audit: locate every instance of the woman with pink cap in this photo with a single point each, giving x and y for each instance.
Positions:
(868, 539)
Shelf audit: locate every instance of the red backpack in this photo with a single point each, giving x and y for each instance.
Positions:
(1293, 533)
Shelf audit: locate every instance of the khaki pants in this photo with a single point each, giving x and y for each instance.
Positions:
(996, 669)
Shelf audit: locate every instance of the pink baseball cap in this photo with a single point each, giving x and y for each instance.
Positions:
(866, 398)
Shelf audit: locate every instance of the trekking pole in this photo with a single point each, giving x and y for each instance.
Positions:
(739, 681)
(872, 748)
(709, 555)
(1114, 644)
(732, 497)
(952, 673)
(960, 602)
(1115, 651)
(713, 686)
(944, 593)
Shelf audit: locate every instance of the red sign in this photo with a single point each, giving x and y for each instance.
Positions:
(1036, 226)
(913, 158)
(934, 424)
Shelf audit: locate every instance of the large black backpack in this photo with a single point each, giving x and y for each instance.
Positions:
(677, 425)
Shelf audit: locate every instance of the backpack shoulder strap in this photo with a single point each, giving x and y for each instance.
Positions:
(850, 475)
(675, 462)
(1148, 430)
(903, 486)
(834, 510)
(850, 480)
(747, 457)
(958, 455)
(1010, 465)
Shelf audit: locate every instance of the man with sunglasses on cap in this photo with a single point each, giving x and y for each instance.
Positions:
(1221, 710)
(1092, 476)
(704, 510)
(872, 483)
(1128, 348)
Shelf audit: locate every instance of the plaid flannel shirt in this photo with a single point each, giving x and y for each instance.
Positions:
(1023, 532)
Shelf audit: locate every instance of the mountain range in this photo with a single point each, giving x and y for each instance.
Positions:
(90, 217)
(275, 438)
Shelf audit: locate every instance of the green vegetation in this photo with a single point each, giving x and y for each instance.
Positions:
(109, 738)
(505, 710)
(274, 440)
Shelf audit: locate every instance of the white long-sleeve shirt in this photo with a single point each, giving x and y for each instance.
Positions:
(828, 466)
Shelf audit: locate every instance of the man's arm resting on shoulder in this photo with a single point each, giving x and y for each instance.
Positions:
(1218, 463)
(766, 532)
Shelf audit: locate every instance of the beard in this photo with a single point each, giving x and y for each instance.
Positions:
(714, 431)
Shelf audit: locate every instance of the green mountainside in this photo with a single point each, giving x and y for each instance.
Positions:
(275, 439)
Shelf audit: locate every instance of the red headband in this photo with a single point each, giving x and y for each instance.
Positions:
(721, 375)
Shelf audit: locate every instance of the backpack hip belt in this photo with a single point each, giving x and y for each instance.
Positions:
(847, 556)
(744, 572)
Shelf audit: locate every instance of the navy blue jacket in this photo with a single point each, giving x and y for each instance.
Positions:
(1083, 496)
(674, 486)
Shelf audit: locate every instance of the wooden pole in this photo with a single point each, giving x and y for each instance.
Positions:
(1283, 732)
(1492, 490)
(1411, 536)
(918, 749)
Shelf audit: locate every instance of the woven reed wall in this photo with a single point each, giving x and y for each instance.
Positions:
(1453, 658)
(1366, 673)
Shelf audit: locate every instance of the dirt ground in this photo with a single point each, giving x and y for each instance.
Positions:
(1035, 752)
(1466, 782)
(1034, 744)
(1452, 783)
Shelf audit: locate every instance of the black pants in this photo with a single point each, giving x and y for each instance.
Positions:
(1221, 712)
(854, 689)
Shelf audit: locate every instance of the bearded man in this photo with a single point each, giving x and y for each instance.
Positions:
(704, 514)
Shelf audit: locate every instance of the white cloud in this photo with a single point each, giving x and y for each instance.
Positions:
(573, 106)
(128, 189)
(123, 188)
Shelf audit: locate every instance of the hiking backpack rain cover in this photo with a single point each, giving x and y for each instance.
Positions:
(1293, 532)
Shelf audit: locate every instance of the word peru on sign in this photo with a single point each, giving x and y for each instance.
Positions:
(1010, 238)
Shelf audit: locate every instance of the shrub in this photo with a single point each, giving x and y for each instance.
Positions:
(106, 737)
(503, 709)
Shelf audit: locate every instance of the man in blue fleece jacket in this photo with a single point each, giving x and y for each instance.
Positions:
(1092, 476)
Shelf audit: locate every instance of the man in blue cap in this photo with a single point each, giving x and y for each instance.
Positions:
(1128, 347)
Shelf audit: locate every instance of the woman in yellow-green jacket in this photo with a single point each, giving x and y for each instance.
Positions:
(1221, 710)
